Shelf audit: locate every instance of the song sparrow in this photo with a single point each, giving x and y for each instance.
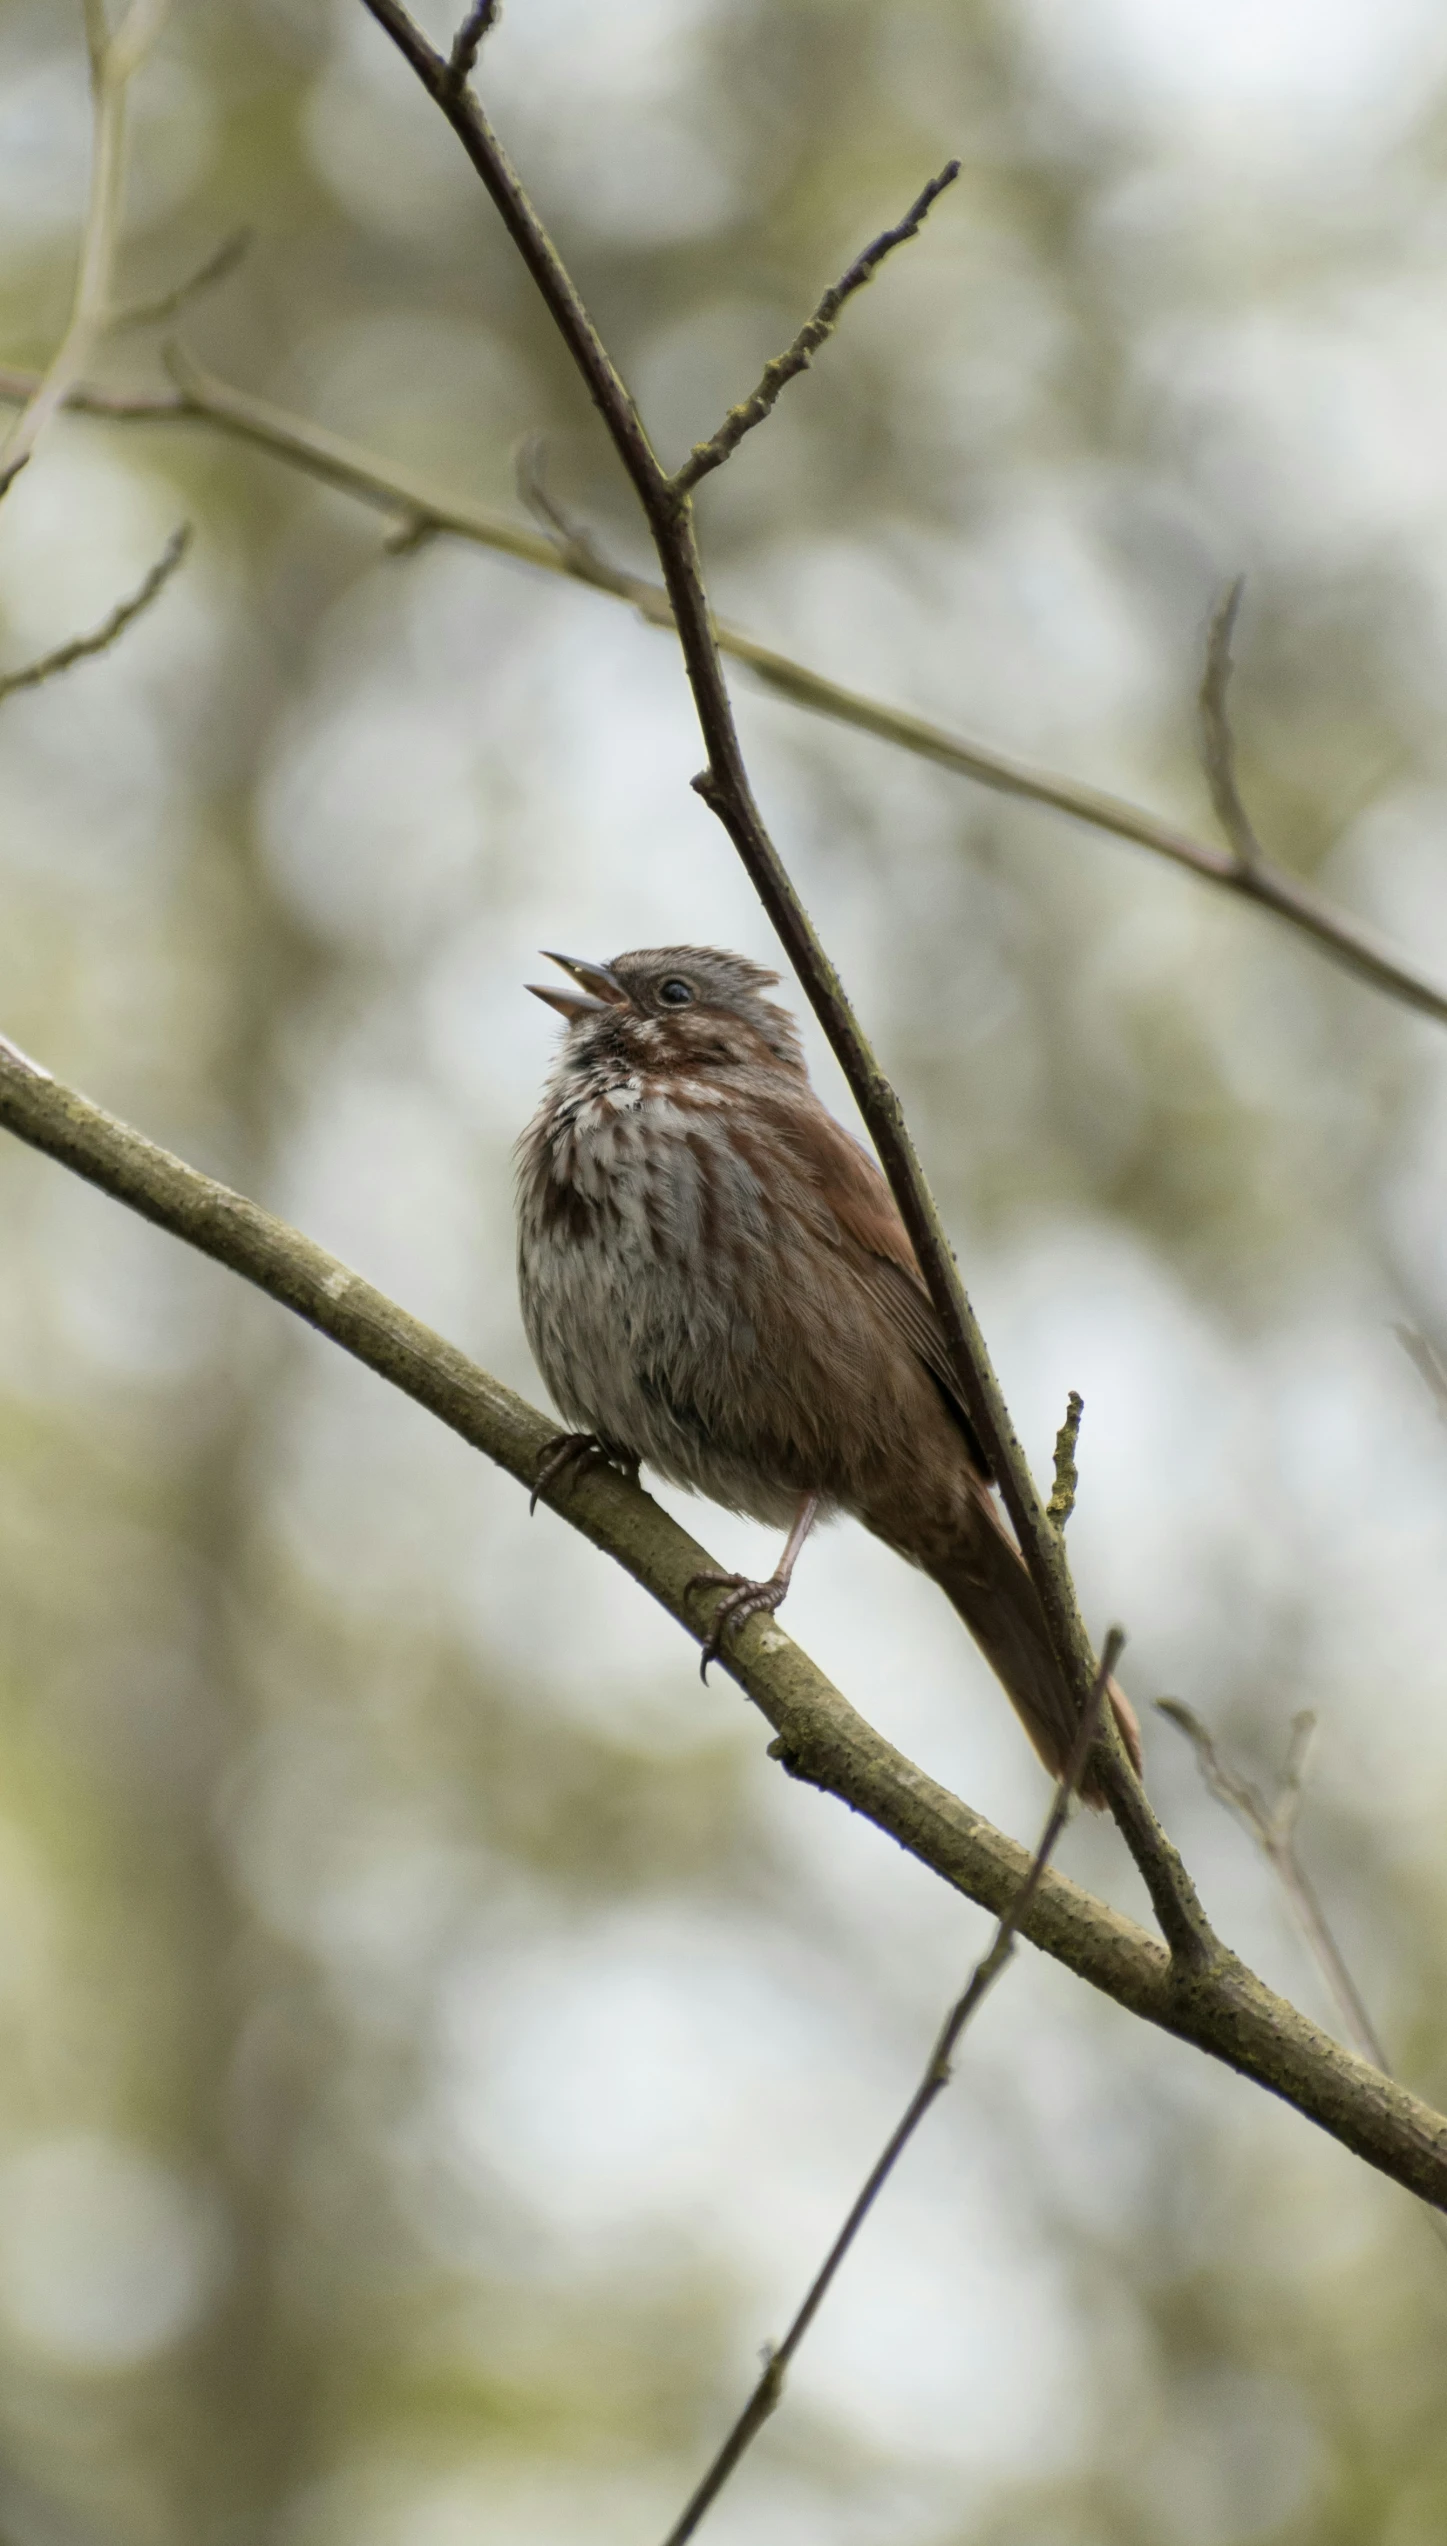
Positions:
(715, 1279)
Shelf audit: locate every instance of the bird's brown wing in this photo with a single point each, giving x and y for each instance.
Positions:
(983, 1574)
(875, 1238)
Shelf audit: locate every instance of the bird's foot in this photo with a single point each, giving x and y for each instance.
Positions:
(577, 1449)
(745, 1600)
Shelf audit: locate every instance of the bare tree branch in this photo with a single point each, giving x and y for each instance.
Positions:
(725, 788)
(1224, 2011)
(936, 2078)
(425, 510)
(114, 59)
(100, 639)
(815, 332)
(479, 22)
(1218, 745)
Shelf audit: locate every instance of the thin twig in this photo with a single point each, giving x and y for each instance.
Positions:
(725, 788)
(213, 270)
(479, 22)
(79, 648)
(936, 2078)
(1218, 743)
(816, 330)
(425, 510)
(1067, 1476)
(114, 59)
(1273, 1826)
(1226, 2012)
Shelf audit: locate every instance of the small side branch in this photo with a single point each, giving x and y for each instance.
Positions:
(1218, 744)
(100, 639)
(788, 365)
(936, 2078)
(479, 22)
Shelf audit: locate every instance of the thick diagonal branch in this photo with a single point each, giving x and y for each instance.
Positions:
(820, 1738)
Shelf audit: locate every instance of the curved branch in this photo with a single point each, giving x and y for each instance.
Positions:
(819, 1737)
(425, 509)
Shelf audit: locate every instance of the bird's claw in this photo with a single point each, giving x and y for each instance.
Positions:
(576, 1449)
(746, 1599)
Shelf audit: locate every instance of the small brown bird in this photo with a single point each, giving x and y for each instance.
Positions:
(715, 1280)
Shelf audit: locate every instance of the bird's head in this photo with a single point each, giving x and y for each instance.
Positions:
(689, 1007)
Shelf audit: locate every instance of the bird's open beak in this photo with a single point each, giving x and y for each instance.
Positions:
(598, 987)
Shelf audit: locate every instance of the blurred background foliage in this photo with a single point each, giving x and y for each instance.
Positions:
(437, 2042)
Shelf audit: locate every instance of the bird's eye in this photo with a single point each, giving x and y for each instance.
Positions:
(675, 993)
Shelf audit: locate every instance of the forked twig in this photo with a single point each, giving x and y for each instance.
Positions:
(78, 649)
(936, 2078)
(479, 22)
(815, 331)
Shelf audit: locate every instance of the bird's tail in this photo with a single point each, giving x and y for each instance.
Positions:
(982, 1575)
